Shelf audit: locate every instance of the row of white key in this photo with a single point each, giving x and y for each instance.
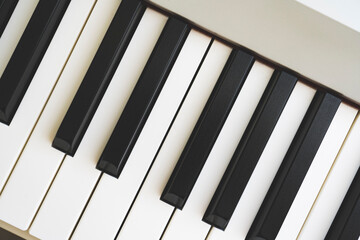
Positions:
(148, 216)
(39, 162)
(268, 164)
(316, 175)
(334, 188)
(187, 224)
(39, 142)
(77, 176)
(75, 179)
(15, 136)
(113, 197)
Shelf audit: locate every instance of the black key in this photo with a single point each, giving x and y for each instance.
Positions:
(346, 225)
(207, 129)
(7, 7)
(294, 167)
(143, 97)
(28, 54)
(249, 150)
(98, 76)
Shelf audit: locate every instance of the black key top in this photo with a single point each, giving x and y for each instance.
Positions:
(207, 129)
(98, 76)
(143, 97)
(28, 54)
(7, 7)
(249, 150)
(346, 225)
(294, 167)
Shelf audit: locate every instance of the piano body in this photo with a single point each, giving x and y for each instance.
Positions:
(169, 119)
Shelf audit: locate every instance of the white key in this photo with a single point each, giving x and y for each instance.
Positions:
(113, 197)
(188, 224)
(14, 136)
(317, 172)
(334, 189)
(148, 216)
(77, 176)
(39, 162)
(267, 165)
(14, 30)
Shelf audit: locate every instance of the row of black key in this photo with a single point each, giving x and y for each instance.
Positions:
(294, 166)
(291, 173)
(143, 97)
(250, 149)
(98, 76)
(207, 129)
(28, 54)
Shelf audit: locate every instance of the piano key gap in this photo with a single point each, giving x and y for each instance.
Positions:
(322, 186)
(85, 206)
(168, 223)
(47, 191)
(208, 234)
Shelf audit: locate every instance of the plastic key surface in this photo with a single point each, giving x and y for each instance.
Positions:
(333, 190)
(98, 76)
(77, 176)
(153, 219)
(6, 9)
(294, 167)
(15, 136)
(249, 150)
(346, 223)
(143, 97)
(39, 162)
(8, 42)
(14, 29)
(207, 129)
(187, 224)
(316, 175)
(267, 165)
(28, 54)
(113, 197)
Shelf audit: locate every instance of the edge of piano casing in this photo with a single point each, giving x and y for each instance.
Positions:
(283, 33)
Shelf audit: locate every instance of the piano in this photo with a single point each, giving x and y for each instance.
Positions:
(169, 119)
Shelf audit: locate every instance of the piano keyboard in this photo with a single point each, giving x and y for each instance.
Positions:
(122, 121)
